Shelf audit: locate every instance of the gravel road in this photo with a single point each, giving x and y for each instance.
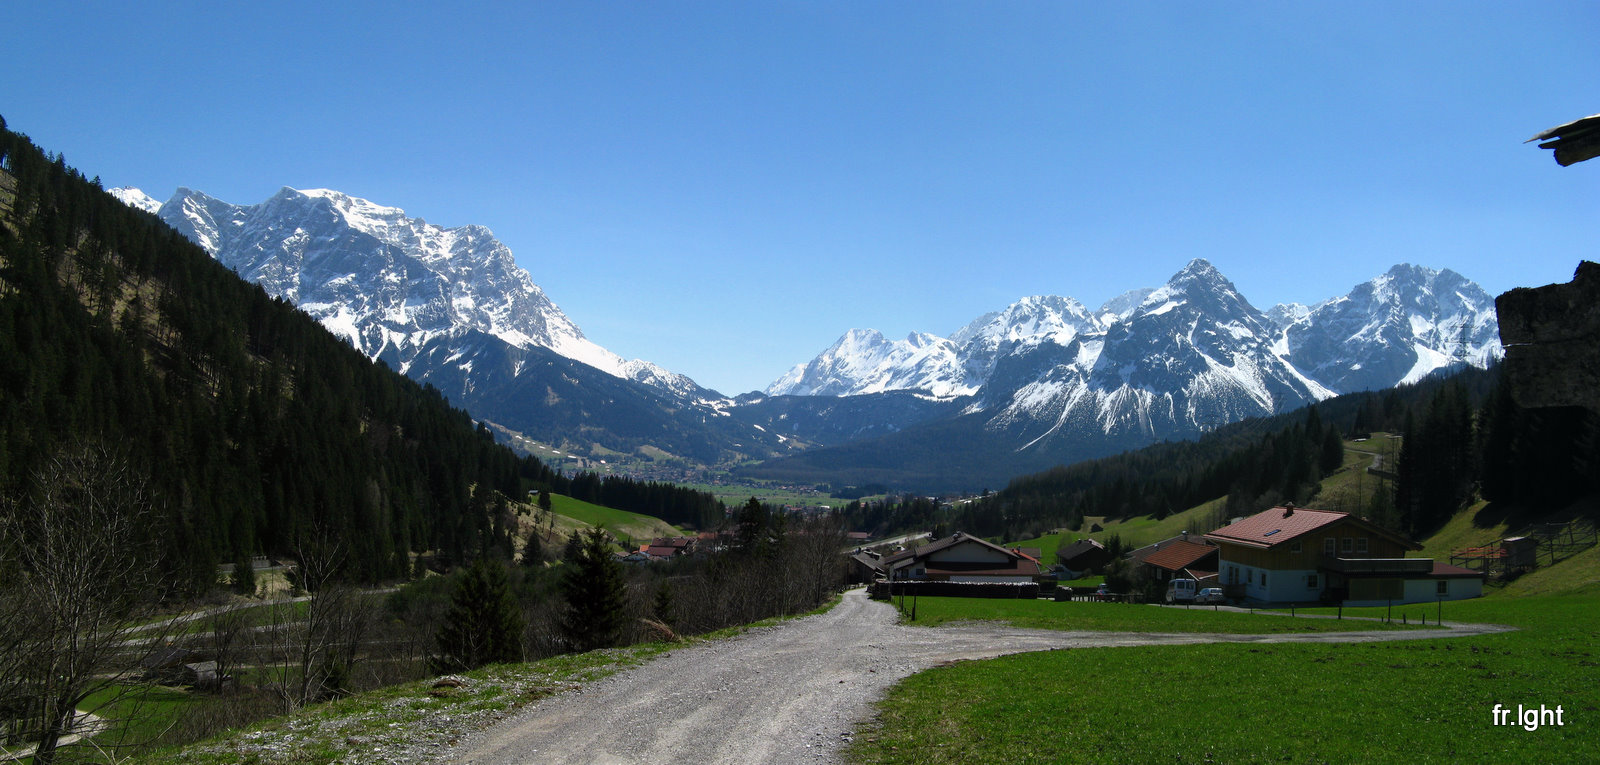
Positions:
(791, 693)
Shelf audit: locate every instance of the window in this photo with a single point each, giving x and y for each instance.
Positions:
(1347, 544)
(1327, 546)
(1444, 587)
(1294, 547)
(1263, 579)
(1361, 545)
(1311, 581)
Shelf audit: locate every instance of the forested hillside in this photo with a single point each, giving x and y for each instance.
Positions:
(1463, 438)
(255, 430)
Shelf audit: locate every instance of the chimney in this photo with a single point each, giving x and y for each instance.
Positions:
(1288, 509)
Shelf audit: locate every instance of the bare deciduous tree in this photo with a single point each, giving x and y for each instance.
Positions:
(79, 573)
(312, 656)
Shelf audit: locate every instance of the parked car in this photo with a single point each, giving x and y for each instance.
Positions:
(1210, 595)
(1181, 590)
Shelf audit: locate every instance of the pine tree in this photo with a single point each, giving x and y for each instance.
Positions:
(573, 547)
(483, 625)
(595, 594)
(662, 606)
(244, 575)
(533, 549)
(1332, 451)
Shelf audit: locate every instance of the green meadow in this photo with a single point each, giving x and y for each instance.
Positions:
(1428, 700)
(632, 525)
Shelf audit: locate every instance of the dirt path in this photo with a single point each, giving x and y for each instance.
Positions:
(790, 693)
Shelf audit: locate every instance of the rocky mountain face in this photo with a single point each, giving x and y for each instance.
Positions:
(1192, 356)
(451, 307)
(1395, 329)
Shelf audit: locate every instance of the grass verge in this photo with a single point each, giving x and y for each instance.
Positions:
(396, 723)
(1120, 617)
(393, 724)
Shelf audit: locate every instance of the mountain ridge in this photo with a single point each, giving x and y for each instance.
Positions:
(1437, 298)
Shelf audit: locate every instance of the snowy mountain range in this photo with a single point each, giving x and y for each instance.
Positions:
(1047, 380)
(1042, 381)
(1395, 329)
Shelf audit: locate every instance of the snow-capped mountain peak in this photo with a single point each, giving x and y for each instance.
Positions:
(388, 283)
(1122, 305)
(1397, 328)
(864, 361)
(136, 199)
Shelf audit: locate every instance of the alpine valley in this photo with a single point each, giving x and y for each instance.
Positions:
(1044, 381)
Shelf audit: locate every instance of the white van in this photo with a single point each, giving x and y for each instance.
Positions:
(1181, 590)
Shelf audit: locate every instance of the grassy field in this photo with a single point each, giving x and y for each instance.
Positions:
(1121, 617)
(1412, 701)
(582, 515)
(735, 495)
(1047, 544)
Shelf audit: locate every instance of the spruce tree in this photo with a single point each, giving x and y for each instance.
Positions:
(533, 549)
(244, 575)
(483, 625)
(1332, 451)
(663, 605)
(595, 592)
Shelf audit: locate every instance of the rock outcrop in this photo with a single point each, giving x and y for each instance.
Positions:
(1552, 340)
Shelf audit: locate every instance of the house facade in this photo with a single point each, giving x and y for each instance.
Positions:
(1297, 555)
(1081, 557)
(962, 558)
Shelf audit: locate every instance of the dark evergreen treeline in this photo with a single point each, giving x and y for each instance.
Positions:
(257, 429)
(1464, 437)
(1251, 466)
(1527, 461)
(671, 503)
(892, 514)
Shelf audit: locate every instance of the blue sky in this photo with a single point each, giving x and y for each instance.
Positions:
(725, 188)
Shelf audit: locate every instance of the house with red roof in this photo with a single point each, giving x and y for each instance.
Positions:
(1182, 558)
(1294, 555)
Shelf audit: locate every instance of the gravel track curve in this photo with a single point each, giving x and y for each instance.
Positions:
(791, 693)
